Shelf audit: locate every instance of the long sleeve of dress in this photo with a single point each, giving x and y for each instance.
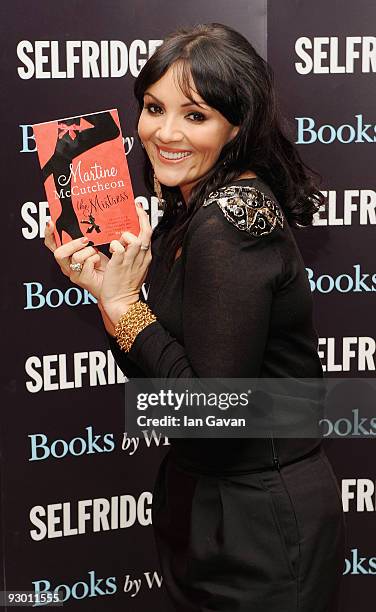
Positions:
(127, 366)
(229, 280)
(237, 305)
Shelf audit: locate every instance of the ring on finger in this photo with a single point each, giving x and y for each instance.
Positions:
(144, 247)
(76, 267)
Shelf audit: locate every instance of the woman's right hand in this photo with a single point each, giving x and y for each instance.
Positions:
(93, 261)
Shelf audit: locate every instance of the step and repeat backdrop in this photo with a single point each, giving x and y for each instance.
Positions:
(324, 58)
(76, 488)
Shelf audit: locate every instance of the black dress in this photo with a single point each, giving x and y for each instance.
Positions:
(241, 525)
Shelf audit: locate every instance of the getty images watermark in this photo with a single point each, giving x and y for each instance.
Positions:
(252, 408)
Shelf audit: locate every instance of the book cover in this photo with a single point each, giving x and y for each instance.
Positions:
(86, 177)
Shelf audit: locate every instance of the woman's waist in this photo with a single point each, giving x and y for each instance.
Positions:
(224, 456)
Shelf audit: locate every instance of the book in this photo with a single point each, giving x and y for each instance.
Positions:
(86, 177)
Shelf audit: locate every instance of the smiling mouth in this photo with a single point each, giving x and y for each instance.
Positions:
(172, 155)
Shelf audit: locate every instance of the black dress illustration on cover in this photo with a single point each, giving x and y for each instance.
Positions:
(73, 139)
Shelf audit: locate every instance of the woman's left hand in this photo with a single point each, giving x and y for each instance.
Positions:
(126, 270)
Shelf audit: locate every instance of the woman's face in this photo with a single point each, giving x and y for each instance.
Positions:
(183, 137)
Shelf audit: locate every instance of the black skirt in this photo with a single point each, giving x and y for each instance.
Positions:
(270, 541)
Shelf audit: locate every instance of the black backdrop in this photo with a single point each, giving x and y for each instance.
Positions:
(53, 340)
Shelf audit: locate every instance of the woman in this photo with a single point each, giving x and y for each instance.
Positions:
(248, 524)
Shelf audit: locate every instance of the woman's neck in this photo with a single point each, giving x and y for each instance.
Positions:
(186, 189)
(246, 175)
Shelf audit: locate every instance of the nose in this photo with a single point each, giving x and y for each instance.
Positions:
(169, 130)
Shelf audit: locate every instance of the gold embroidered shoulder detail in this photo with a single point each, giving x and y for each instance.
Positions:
(248, 208)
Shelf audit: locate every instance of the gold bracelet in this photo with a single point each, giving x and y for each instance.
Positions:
(137, 317)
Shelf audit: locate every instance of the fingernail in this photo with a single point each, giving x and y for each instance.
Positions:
(84, 240)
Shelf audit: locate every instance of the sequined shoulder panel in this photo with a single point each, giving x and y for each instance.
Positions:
(248, 208)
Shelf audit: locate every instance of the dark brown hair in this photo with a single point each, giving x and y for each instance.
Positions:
(234, 79)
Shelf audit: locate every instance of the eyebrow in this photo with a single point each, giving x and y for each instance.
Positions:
(191, 103)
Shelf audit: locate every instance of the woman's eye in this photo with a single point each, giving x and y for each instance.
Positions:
(154, 109)
(196, 116)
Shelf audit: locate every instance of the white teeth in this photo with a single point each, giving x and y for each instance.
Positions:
(170, 155)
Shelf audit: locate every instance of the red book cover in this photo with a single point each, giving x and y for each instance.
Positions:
(86, 177)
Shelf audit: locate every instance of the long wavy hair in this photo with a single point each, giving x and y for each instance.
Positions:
(236, 81)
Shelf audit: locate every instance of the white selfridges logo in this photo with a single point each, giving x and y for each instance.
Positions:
(36, 214)
(64, 371)
(333, 55)
(88, 59)
(348, 207)
(358, 495)
(68, 518)
(349, 353)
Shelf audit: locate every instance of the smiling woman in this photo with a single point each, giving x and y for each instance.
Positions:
(182, 136)
(240, 524)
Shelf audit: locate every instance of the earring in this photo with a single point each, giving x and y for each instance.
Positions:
(158, 191)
